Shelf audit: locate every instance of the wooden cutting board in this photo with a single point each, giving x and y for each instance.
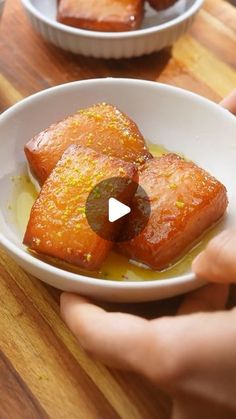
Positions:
(43, 371)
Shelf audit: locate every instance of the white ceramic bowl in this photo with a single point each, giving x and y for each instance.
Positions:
(179, 120)
(159, 30)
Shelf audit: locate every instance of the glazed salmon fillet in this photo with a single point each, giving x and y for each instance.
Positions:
(161, 4)
(185, 201)
(58, 225)
(101, 127)
(102, 15)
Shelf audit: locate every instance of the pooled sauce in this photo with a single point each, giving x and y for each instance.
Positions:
(116, 267)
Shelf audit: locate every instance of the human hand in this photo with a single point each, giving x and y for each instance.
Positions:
(190, 356)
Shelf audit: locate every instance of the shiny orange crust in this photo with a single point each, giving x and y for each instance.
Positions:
(161, 4)
(185, 201)
(102, 15)
(58, 226)
(101, 127)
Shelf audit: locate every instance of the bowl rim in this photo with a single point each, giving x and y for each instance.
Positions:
(112, 35)
(22, 254)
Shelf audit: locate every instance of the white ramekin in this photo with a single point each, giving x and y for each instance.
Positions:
(111, 44)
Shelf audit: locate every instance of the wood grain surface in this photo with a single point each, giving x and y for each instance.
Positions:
(43, 371)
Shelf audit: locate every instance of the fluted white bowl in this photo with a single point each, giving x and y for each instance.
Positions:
(179, 120)
(158, 31)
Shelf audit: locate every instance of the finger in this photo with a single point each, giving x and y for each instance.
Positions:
(230, 102)
(116, 339)
(218, 262)
(123, 341)
(169, 351)
(212, 297)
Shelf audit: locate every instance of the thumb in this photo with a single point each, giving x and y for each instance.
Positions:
(218, 262)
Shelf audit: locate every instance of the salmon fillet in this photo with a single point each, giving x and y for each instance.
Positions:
(58, 225)
(185, 201)
(161, 4)
(101, 127)
(102, 15)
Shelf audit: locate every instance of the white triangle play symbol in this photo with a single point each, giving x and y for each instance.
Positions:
(117, 210)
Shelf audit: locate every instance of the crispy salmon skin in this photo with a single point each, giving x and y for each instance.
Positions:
(101, 127)
(101, 15)
(185, 201)
(58, 225)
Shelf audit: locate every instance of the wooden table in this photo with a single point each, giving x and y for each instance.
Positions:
(43, 372)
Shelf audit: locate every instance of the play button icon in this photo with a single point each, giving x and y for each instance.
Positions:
(109, 205)
(117, 210)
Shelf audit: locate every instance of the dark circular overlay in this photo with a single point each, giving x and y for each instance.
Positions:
(127, 192)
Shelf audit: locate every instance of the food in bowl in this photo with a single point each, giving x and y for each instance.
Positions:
(101, 127)
(161, 4)
(185, 200)
(102, 15)
(58, 226)
(106, 15)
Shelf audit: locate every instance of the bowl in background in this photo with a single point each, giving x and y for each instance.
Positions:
(158, 31)
(179, 120)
